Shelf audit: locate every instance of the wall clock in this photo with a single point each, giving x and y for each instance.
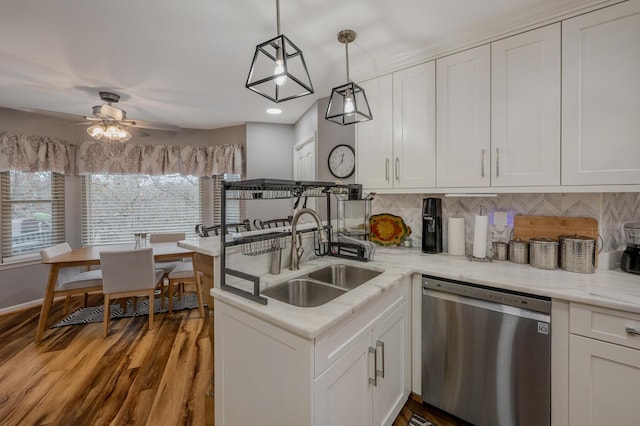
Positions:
(342, 161)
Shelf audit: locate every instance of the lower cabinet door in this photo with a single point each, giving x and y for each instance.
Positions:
(342, 394)
(604, 383)
(391, 340)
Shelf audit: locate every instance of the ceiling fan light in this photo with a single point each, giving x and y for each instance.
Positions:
(124, 135)
(96, 131)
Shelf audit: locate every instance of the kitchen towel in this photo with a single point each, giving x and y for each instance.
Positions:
(480, 237)
(455, 236)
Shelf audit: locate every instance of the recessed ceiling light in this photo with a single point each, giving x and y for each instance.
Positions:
(274, 111)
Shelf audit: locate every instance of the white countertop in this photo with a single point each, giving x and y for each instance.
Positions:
(608, 288)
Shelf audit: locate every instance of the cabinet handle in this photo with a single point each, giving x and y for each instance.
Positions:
(380, 345)
(482, 162)
(397, 169)
(631, 330)
(386, 169)
(373, 379)
(497, 162)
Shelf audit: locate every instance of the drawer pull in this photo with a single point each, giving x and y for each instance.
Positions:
(631, 330)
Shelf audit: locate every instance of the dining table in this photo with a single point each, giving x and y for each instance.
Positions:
(90, 256)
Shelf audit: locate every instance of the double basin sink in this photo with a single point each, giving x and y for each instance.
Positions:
(321, 286)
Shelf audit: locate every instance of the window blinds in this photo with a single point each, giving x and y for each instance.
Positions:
(32, 213)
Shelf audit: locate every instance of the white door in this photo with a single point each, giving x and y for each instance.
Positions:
(603, 383)
(374, 139)
(463, 113)
(525, 109)
(342, 395)
(601, 96)
(414, 123)
(391, 339)
(304, 165)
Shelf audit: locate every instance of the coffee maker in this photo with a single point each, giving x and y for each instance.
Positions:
(432, 225)
(630, 261)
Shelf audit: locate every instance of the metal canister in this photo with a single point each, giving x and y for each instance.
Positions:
(500, 250)
(543, 253)
(519, 251)
(577, 254)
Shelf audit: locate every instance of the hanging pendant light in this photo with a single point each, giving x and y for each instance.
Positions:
(348, 103)
(278, 70)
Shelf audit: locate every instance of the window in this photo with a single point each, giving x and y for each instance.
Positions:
(233, 207)
(114, 207)
(32, 213)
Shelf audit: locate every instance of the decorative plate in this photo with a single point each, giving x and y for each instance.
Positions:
(387, 229)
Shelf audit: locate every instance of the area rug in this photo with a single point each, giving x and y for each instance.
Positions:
(96, 313)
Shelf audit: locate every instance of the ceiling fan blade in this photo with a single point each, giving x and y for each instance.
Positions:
(139, 133)
(152, 125)
(62, 115)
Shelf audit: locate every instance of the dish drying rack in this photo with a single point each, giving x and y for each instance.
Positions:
(254, 245)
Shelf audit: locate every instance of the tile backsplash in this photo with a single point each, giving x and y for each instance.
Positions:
(612, 210)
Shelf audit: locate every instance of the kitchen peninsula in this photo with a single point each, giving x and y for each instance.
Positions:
(318, 346)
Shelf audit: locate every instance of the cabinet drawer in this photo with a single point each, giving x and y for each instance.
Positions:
(605, 324)
(337, 341)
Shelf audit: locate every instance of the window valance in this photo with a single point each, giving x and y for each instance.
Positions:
(33, 154)
(119, 158)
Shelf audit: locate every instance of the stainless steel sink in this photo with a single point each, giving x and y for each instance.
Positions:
(303, 292)
(344, 276)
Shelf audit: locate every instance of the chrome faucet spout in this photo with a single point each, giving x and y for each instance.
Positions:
(296, 249)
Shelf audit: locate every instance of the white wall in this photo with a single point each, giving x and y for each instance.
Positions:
(269, 155)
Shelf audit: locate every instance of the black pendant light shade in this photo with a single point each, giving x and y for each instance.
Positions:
(278, 70)
(348, 103)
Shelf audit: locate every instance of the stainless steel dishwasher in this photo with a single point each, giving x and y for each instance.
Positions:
(486, 353)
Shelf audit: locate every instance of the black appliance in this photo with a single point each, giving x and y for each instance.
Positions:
(630, 261)
(432, 225)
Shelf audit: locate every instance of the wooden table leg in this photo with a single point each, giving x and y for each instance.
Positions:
(48, 300)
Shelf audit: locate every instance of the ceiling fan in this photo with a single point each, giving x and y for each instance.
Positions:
(109, 122)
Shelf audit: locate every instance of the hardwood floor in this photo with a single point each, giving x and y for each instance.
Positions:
(132, 377)
(75, 376)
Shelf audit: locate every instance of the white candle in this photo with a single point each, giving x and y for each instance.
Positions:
(455, 236)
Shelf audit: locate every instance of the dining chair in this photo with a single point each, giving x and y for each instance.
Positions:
(272, 223)
(181, 275)
(72, 280)
(167, 265)
(128, 273)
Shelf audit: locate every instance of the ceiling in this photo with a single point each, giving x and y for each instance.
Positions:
(186, 62)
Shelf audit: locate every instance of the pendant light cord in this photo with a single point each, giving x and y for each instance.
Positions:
(278, 16)
(346, 49)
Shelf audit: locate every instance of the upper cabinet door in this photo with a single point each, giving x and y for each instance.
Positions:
(601, 97)
(414, 122)
(374, 149)
(463, 113)
(525, 109)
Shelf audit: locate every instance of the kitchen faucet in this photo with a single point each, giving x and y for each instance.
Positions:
(297, 250)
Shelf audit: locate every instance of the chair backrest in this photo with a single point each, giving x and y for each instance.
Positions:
(127, 270)
(272, 223)
(166, 238)
(64, 274)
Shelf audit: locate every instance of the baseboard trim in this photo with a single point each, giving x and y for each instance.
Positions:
(20, 307)
(417, 398)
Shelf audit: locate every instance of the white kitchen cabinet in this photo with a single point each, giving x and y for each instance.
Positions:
(370, 383)
(463, 112)
(269, 376)
(398, 151)
(414, 127)
(604, 366)
(525, 109)
(374, 138)
(601, 96)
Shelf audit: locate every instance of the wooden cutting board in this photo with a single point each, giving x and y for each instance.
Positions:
(526, 227)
